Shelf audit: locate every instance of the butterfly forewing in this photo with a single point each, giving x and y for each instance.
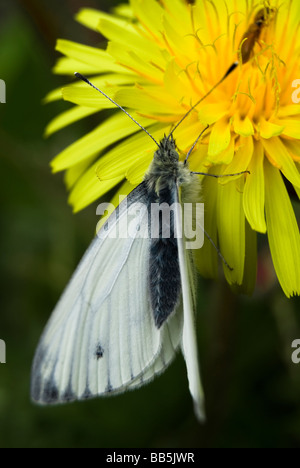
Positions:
(102, 337)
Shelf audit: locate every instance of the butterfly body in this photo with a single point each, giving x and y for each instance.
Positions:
(165, 175)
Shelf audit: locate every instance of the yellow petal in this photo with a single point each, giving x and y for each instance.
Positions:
(73, 174)
(226, 156)
(116, 161)
(243, 127)
(77, 92)
(198, 158)
(207, 257)
(210, 113)
(90, 18)
(254, 191)
(240, 161)
(124, 11)
(102, 82)
(89, 97)
(149, 100)
(278, 153)
(291, 127)
(231, 229)
(110, 131)
(176, 40)
(179, 14)
(136, 172)
(150, 13)
(220, 137)
(176, 82)
(294, 13)
(208, 31)
(53, 96)
(89, 188)
(66, 66)
(293, 147)
(131, 60)
(269, 129)
(85, 54)
(288, 111)
(187, 133)
(67, 118)
(250, 267)
(283, 232)
(132, 40)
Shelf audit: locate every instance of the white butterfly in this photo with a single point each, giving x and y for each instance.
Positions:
(129, 305)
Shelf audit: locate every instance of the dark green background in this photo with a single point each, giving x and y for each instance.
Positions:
(252, 388)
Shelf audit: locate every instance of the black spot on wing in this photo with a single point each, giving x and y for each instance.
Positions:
(99, 352)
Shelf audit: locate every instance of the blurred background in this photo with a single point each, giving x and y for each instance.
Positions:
(252, 386)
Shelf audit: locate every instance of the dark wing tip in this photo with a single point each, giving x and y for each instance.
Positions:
(50, 393)
(46, 394)
(43, 392)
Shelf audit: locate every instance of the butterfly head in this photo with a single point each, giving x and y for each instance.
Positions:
(167, 153)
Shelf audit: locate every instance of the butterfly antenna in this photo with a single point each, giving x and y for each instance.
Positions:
(229, 71)
(219, 176)
(192, 148)
(83, 78)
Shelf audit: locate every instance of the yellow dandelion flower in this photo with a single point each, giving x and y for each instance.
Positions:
(164, 56)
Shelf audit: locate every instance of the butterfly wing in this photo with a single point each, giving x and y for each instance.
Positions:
(101, 337)
(189, 338)
(171, 335)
